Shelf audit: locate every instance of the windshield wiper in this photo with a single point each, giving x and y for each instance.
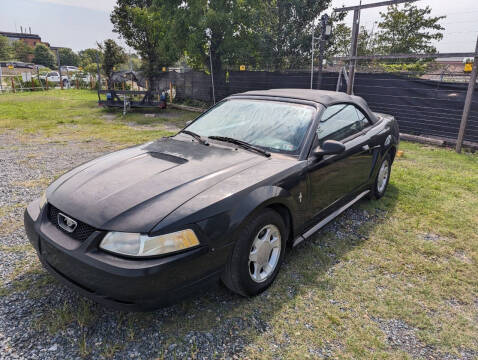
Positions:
(195, 136)
(241, 143)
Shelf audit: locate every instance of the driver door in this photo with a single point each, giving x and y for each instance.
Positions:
(333, 179)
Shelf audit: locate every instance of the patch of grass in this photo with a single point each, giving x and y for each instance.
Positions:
(34, 183)
(74, 115)
(60, 318)
(110, 350)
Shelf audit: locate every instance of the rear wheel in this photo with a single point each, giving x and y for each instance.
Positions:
(383, 177)
(257, 255)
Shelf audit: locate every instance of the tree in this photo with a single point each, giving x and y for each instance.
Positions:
(148, 26)
(221, 27)
(68, 57)
(89, 56)
(408, 30)
(44, 56)
(339, 42)
(22, 51)
(113, 55)
(5, 48)
(285, 30)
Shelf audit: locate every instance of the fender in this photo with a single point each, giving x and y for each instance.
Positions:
(259, 199)
(223, 226)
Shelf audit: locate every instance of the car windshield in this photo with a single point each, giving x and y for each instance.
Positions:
(273, 125)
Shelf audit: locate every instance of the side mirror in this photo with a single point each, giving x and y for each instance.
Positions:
(329, 147)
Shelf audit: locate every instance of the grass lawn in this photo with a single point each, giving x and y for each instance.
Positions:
(74, 115)
(403, 284)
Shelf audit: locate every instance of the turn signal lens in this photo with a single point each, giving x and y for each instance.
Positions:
(134, 244)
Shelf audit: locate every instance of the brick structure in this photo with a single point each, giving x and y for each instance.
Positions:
(30, 39)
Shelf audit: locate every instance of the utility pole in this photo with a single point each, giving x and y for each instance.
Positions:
(325, 31)
(355, 32)
(209, 37)
(312, 62)
(353, 51)
(468, 100)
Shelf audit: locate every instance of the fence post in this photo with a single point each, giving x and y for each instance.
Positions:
(353, 51)
(170, 92)
(1, 85)
(13, 85)
(59, 70)
(468, 100)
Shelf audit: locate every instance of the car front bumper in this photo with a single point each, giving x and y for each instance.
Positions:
(126, 284)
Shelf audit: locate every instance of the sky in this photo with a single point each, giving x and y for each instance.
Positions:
(79, 24)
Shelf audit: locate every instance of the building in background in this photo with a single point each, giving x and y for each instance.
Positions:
(28, 38)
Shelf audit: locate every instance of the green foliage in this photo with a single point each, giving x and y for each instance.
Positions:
(284, 31)
(408, 30)
(44, 56)
(68, 57)
(339, 42)
(227, 26)
(5, 48)
(147, 27)
(113, 55)
(263, 34)
(416, 67)
(22, 51)
(132, 62)
(89, 56)
(269, 34)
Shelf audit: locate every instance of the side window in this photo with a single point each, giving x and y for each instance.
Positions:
(339, 122)
(362, 118)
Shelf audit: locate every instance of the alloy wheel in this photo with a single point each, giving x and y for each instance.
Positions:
(383, 176)
(264, 254)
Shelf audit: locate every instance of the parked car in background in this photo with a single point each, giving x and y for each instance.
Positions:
(54, 77)
(224, 198)
(68, 69)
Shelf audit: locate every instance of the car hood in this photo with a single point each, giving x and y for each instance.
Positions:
(133, 189)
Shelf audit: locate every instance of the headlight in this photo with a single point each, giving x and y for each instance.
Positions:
(134, 244)
(42, 201)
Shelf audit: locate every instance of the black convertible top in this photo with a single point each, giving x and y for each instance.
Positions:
(323, 97)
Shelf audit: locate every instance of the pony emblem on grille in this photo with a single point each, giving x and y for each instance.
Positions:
(66, 223)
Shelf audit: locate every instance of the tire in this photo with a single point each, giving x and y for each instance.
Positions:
(383, 177)
(245, 276)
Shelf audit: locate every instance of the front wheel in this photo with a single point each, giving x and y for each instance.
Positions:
(257, 255)
(383, 177)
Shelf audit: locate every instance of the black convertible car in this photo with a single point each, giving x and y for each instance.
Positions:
(259, 172)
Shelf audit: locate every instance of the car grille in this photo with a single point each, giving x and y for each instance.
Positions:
(82, 231)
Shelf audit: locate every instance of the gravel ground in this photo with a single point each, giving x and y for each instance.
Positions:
(41, 319)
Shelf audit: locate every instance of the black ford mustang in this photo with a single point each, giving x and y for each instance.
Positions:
(223, 198)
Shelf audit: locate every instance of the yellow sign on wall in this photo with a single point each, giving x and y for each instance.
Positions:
(242, 67)
(468, 67)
